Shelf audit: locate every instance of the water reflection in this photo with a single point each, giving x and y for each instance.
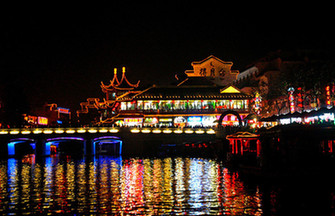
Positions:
(109, 185)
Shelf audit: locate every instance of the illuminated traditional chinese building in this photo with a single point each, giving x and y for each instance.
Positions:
(198, 100)
(183, 106)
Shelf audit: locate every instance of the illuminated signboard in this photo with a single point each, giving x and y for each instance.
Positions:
(42, 120)
(63, 110)
(165, 120)
(209, 121)
(179, 120)
(153, 120)
(132, 121)
(195, 119)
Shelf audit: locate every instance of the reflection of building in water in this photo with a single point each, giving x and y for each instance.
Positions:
(132, 186)
(3, 188)
(13, 184)
(200, 185)
(136, 186)
(236, 199)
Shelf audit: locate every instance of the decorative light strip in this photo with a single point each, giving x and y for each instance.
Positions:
(114, 130)
(145, 130)
(70, 131)
(135, 130)
(81, 130)
(210, 131)
(65, 138)
(37, 131)
(104, 130)
(92, 130)
(47, 131)
(156, 131)
(167, 131)
(59, 131)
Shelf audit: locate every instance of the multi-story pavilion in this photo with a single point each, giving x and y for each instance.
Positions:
(197, 100)
(183, 106)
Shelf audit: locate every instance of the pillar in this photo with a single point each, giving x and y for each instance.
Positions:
(40, 148)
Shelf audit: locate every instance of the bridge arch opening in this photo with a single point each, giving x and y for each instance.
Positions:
(111, 145)
(21, 146)
(68, 145)
(230, 112)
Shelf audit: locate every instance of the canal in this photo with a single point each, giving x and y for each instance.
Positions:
(152, 186)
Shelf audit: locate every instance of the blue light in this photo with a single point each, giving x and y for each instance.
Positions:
(47, 148)
(59, 122)
(106, 137)
(94, 148)
(194, 119)
(65, 138)
(33, 145)
(11, 148)
(120, 150)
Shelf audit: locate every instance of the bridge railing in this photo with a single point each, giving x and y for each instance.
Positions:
(104, 130)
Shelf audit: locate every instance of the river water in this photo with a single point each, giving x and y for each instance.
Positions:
(148, 186)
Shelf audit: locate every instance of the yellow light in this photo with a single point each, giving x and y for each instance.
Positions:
(92, 131)
(167, 131)
(156, 131)
(146, 130)
(199, 131)
(114, 130)
(25, 132)
(210, 131)
(123, 69)
(81, 130)
(59, 131)
(103, 130)
(178, 131)
(230, 89)
(135, 130)
(14, 132)
(37, 131)
(3, 132)
(70, 131)
(189, 131)
(47, 131)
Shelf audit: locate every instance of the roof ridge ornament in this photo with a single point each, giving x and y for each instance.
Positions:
(117, 84)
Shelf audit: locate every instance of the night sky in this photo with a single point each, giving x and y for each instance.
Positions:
(59, 54)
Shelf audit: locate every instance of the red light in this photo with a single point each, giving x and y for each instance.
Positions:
(53, 149)
(328, 95)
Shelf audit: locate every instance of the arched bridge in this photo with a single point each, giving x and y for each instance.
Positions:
(43, 141)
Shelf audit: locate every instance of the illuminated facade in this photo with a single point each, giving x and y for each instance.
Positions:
(183, 106)
(197, 100)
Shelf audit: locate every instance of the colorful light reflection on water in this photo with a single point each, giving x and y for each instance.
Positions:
(109, 185)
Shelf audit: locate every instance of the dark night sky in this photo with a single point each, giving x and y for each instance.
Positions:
(61, 55)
